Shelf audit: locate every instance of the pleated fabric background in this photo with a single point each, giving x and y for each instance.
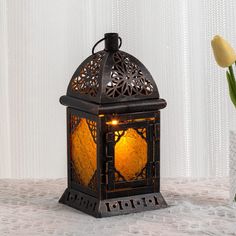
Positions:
(43, 41)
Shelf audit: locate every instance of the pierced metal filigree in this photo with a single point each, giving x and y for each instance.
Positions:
(138, 176)
(92, 125)
(118, 176)
(93, 182)
(142, 174)
(75, 174)
(87, 80)
(118, 135)
(127, 78)
(74, 122)
(77, 179)
(142, 132)
(113, 206)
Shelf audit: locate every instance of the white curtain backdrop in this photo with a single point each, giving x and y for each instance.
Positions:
(43, 41)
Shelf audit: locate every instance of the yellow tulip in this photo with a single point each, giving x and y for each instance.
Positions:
(224, 54)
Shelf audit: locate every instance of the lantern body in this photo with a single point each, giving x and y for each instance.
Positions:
(113, 131)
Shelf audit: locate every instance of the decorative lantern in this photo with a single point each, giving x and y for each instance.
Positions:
(113, 130)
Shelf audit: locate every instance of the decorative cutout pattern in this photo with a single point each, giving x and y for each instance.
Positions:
(141, 132)
(75, 176)
(74, 121)
(111, 207)
(127, 79)
(118, 176)
(87, 80)
(82, 201)
(143, 174)
(134, 203)
(118, 135)
(92, 125)
(93, 182)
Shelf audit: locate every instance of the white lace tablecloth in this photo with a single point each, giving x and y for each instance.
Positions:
(196, 207)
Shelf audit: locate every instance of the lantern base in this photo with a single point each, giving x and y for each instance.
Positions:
(114, 206)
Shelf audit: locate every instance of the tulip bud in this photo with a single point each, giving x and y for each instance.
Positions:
(224, 54)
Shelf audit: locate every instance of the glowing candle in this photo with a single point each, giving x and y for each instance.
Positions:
(114, 122)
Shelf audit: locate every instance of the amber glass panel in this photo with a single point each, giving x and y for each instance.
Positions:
(130, 153)
(83, 150)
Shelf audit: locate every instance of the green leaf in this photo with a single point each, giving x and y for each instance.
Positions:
(232, 86)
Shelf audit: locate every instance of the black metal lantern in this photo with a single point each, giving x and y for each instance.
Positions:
(113, 130)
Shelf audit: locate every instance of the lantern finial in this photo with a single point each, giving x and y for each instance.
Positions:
(111, 42)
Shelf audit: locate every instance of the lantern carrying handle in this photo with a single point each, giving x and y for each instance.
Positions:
(95, 45)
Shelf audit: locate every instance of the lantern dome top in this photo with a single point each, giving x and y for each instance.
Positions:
(111, 76)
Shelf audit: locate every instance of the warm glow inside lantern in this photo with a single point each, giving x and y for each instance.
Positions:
(113, 131)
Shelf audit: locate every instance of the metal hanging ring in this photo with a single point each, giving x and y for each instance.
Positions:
(120, 41)
(95, 45)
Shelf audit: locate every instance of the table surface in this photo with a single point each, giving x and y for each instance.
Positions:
(196, 207)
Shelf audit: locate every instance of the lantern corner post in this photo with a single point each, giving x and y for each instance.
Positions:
(101, 157)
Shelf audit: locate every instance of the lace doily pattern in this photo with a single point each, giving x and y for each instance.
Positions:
(197, 207)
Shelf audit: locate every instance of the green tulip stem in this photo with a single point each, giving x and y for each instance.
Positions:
(231, 71)
(232, 84)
